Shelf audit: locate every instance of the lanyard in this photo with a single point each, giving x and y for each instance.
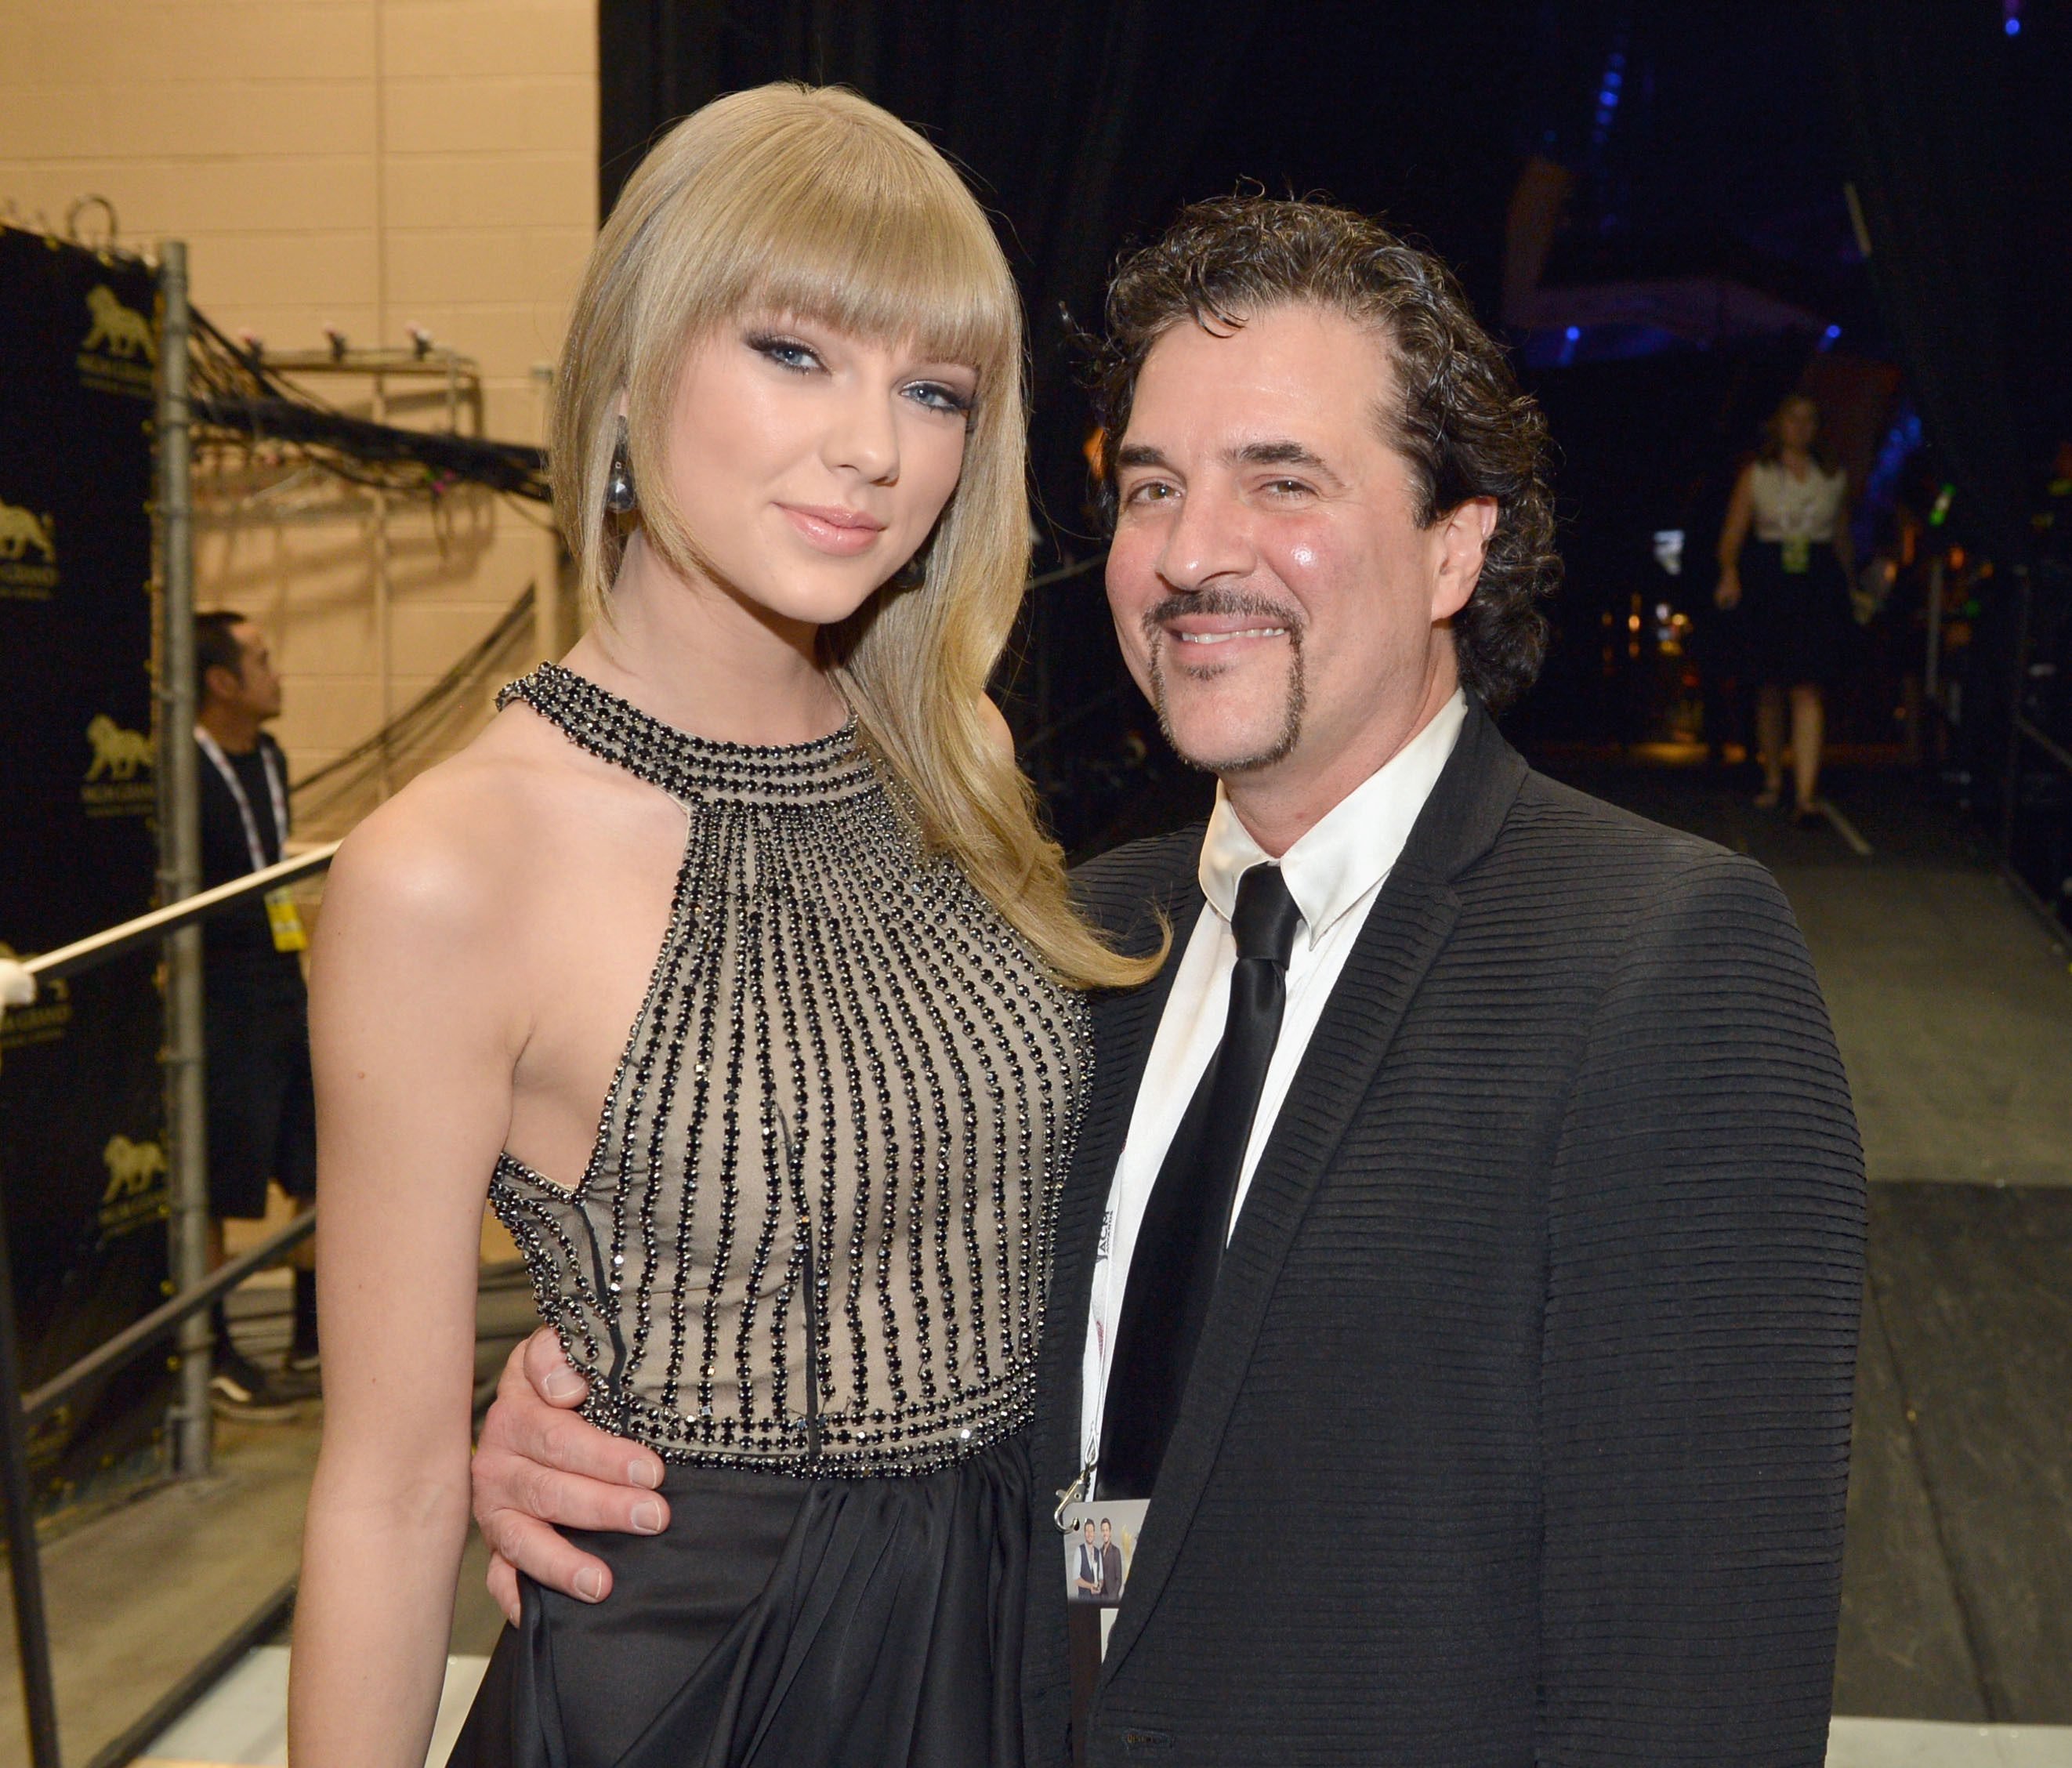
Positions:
(275, 790)
(1093, 1366)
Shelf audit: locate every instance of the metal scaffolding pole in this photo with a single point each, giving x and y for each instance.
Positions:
(179, 862)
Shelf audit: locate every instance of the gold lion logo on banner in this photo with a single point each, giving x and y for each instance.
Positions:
(118, 330)
(119, 352)
(28, 554)
(136, 1193)
(112, 786)
(21, 529)
(132, 1166)
(117, 753)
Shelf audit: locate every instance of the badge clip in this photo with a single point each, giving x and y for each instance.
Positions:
(1080, 1489)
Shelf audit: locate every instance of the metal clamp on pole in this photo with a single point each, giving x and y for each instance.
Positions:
(17, 985)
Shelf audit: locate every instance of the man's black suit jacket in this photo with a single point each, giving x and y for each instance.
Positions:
(1535, 1340)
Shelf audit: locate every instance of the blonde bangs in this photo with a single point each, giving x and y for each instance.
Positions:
(832, 215)
(857, 259)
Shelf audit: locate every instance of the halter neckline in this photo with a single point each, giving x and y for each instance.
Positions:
(826, 769)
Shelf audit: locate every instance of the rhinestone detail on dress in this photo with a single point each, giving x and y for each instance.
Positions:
(814, 1234)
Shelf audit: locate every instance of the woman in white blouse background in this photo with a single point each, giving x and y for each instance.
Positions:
(1786, 558)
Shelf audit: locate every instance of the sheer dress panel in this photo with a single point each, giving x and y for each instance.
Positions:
(814, 1234)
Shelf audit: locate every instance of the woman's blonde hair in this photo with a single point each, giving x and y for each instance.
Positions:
(813, 202)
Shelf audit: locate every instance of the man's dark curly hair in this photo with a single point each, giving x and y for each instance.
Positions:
(1460, 417)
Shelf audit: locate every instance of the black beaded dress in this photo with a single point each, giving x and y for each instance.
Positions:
(805, 1265)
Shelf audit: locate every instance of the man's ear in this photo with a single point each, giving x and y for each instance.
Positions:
(217, 680)
(1462, 540)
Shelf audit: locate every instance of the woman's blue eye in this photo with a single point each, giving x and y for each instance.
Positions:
(786, 353)
(938, 397)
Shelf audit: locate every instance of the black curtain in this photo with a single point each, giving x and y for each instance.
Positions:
(1924, 100)
(1956, 134)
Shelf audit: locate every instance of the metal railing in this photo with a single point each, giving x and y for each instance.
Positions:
(111, 943)
(19, 1411)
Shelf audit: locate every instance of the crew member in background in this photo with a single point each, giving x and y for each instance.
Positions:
(1786, 555)
(262, 1107)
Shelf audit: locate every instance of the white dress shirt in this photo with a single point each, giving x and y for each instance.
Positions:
(1334, 872)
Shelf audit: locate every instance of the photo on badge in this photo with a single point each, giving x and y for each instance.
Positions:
(1100, 1541)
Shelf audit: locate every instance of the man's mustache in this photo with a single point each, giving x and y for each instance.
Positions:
(1224, 603)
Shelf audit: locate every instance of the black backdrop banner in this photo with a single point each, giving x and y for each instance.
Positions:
(83, 1167)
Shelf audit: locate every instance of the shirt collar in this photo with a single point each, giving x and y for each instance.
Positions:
(1353, 847)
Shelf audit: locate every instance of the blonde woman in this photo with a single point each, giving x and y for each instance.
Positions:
(798, 1249)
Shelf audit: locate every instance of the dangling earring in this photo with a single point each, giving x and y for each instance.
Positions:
(618, 494)
(911, 575)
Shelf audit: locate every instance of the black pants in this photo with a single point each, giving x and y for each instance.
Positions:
(262, 1119)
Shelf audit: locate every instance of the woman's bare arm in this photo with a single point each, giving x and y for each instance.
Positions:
(414, 1034)
(1733, 534)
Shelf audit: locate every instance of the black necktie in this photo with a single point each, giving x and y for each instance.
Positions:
(1186, 1219)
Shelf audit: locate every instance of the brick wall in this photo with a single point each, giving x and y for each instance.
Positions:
(366, 164)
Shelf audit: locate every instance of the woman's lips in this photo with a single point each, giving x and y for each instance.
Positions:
(842, 532)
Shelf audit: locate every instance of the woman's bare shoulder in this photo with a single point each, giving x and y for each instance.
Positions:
(450, 851)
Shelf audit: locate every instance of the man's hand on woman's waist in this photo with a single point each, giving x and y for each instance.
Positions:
(539, 1469)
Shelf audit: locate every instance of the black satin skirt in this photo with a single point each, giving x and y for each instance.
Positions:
(1798, 622)
(780, 1623)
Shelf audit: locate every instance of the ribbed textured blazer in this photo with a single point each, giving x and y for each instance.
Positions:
(1519, 1433)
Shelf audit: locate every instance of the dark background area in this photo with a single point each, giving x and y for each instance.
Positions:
(1693, 147)
(82, 1110)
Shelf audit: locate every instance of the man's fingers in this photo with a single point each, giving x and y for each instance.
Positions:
(547, 1370)
(545, 1557)
(505, 1480)
(522, 1423)
(503, 1582)
(563, 1445)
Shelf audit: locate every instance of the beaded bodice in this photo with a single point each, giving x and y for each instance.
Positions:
(814, 1233)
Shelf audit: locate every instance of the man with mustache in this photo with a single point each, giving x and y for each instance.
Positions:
(1474, 1191)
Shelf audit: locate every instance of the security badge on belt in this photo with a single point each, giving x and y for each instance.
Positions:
(1797, 554)
(285, 920)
